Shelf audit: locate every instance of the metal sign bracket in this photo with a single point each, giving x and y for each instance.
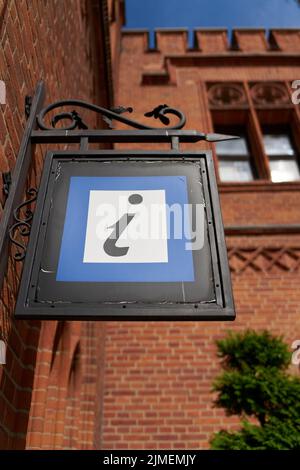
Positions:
(15, 226)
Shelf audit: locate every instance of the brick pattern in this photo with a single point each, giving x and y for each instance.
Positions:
(124, 385)
(251, 41)
(211, 41)
(169, 42)
(158, 376)
(215, 40)
(246, 208)
(264, 259)
(287, 40)
(54, 41)
(63, 413)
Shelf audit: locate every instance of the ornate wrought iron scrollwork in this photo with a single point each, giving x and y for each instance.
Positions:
(6, 177)
(160, 112)
(28, 104)
(22, 224)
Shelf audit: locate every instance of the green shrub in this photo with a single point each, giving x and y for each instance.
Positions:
(255, 383)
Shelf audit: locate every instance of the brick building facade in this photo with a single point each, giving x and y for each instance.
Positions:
(144, 384)
(50, 366)
(158, 376)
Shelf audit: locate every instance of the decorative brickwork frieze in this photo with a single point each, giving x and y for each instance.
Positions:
(269, 94)
(264, 259)
(226, 94)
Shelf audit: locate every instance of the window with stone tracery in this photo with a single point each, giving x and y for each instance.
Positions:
(263, 115)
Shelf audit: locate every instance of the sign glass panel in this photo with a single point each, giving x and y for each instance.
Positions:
(136, 232)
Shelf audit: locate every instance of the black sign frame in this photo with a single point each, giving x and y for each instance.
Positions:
(221, 309)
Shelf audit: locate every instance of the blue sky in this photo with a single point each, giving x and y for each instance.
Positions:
(212, 13)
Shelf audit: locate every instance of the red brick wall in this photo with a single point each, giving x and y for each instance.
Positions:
(65, 411)
(59, 42)
(143, 385)
(116, 11)
(158, 376)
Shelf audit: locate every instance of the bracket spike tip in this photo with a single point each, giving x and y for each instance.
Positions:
(220, 137)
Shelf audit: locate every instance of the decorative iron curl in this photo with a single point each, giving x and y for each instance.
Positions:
(160, 112)
(22, 225)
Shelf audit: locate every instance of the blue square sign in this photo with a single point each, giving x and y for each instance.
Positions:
(125, 229)
(120, 235)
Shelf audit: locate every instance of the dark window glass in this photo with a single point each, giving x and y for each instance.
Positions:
(282, 156)
(234, 157)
